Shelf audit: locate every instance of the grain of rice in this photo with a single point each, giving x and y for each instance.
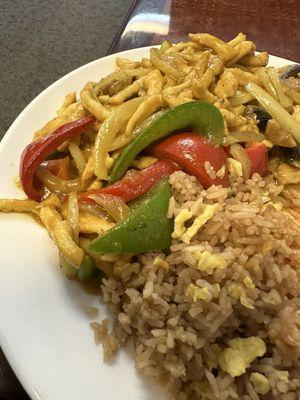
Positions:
(209, 170)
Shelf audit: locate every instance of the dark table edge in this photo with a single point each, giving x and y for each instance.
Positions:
(121, 29)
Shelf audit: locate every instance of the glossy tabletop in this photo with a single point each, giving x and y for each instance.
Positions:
(272, 24)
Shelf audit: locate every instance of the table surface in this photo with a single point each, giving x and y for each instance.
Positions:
(72, 33)
(273, 25)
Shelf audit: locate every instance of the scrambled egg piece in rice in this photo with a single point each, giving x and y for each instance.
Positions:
(207, 261)
(248, 282)
(208, 212)
(235, 168)
(236, 358)
(238, 292)
(161, 263)
(202, 293)
(179, 222)
(186, 234)
(260, 383)
(197, 293)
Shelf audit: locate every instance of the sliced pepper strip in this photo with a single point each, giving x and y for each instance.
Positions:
(147, 227)
(197, 115)
(258, 155)
(37, 152)
(60, 167)
(86, 272)
(191, 151)
(134, 184)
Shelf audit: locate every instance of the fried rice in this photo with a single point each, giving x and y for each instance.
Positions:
(235, 281)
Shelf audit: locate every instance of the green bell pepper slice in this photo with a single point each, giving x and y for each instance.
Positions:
(197, 116)
(147, 227)
(86, 272)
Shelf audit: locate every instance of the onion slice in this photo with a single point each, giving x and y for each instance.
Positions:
(114, 206)
(94, 209)
(123, 140)
(73, 215)
(240, 98)
(284, 119)
(155, 58)
(243, 137)
(283, 99)
(239, 154)
(78, 157)
(108, 131)
(55, 184)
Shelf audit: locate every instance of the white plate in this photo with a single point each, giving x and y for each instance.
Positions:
(44, 331)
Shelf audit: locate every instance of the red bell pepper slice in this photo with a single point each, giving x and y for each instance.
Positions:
(190, 151)
(134, 184)
(60, 167)
(36, 152)
(258, 155)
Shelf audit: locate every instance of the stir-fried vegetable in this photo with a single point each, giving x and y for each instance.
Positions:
(258, 155)
(136, 111)
(290, 71)
(114, 206)
(193, 152)
(266, 80)
(60, 167)
(73, 215)
(78, 157)
(243, 137)
(115, 77)
(163, 65)
(86, 272)
(283, 99)
(201, 117)
(279, 136)
(292, 155)
(284, 119)
(58, 185)
(287, 174)
(134, 184)
(147, 227)
(261, 115)
(238, 153)
(239, 98)
(123, 140)
(36, 152)
(107, 133)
